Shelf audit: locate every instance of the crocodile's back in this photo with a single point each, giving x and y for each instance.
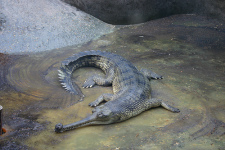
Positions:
(126, 75)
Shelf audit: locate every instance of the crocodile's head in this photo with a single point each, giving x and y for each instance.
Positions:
(100, 115)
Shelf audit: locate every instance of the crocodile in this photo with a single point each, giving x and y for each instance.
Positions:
(131, 88)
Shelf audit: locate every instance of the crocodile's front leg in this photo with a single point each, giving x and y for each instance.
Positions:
(153, 102)
(105, 96)
(96, 79)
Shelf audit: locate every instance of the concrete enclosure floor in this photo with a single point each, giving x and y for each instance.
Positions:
(188, 50)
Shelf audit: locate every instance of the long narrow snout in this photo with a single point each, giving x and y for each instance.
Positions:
(90, 120)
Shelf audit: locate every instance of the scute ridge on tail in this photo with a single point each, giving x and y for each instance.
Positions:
(65, 71)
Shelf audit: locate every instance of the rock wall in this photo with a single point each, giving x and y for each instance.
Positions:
(137, 11)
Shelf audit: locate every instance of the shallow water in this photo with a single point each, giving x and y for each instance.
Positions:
(187, 50)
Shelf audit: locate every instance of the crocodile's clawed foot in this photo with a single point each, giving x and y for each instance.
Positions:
(88, 83)
(93, 104)
(150, 74)
(158, 77)
(176, 110)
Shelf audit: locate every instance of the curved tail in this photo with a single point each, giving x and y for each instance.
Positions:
(69, 65)
(65, 79)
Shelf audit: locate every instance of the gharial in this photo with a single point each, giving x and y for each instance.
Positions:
(131, 88)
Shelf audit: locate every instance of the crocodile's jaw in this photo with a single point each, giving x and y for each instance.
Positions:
(98, 117)
(84, 122)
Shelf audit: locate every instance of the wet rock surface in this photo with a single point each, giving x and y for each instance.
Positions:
(186, 49)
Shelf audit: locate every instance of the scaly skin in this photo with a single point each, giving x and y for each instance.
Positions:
(131, 88)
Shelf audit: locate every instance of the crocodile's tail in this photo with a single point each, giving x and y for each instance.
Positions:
(65, 79)
(72, 63)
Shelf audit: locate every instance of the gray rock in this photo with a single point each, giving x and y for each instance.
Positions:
(31, 26)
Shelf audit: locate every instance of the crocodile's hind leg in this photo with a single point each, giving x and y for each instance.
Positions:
(153, 102)
(96, 79)
(103, 97)
(150, 74)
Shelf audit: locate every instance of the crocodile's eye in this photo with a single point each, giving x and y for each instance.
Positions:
(101, 115)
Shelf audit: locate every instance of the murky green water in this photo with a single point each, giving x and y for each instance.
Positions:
(187, 50)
